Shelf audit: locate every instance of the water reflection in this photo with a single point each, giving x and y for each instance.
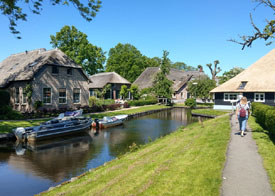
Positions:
(48, 163)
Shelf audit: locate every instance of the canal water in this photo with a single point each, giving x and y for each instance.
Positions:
(27, 169)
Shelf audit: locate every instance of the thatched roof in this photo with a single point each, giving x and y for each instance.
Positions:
(101, 79)
(259, 77)
(179, 78)
(23, 66)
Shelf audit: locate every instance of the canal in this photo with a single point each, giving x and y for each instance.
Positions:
(29, 169)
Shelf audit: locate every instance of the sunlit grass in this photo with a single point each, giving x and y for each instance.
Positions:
(211, 112)
(186, 162)
(266, 148)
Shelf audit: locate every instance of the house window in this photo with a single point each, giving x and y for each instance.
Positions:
(47, 95)
(24, 96)
(62, 96)
(181, 94)
(76, 95)
(230, 96)
(259, 97)
(70, 71)
(55, 70)
(174, 95)
(17, 96)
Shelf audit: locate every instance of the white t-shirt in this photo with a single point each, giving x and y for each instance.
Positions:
(245, 106)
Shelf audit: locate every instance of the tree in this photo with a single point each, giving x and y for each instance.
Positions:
(134, 92)
(75, 44)
(123, 92)
(14, 11)
(266, 34)
(214, 71)
(183, 66)
(201, 87)
(230, 74)
(127, 61)
(161, 85)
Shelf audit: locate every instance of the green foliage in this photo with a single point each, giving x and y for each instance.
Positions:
(230, 74)
(270, 121)
(201, 87)
(123, 92)
(28, 91)
(4, 98)
(143, 102)
(134, 147)
(183, 66)
(260, 110)
(127, 61)
(93, 101)
(134, 92)
(37, 105)
(7, 113)
(14, 10)
(162, 87)
(75, 44)
(190, 102)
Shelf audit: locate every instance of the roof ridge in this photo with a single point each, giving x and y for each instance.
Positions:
(27, 51)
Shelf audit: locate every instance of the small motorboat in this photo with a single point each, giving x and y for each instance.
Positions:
(122, 117)
(107, 122)
(66, 123)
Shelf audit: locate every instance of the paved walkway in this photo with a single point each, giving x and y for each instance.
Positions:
(244, 174)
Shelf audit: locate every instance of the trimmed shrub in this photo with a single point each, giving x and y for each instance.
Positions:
(6, 113)
(190, 102)
(126, 105)
(142, 102)
(114, 106)
(270, 121)
(259, 111)
(5, 98)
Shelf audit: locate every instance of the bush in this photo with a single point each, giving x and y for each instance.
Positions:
(126, 105)
(7, 113)
(114, 106)
(190, 102)
(142, 102)
(270, 121)
(260, 110)
(37, 105)
(5, 98)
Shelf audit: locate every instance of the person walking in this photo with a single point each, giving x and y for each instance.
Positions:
(242, 114)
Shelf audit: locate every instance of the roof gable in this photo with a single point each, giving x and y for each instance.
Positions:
(101, 79)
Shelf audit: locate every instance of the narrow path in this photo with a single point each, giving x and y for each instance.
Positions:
(244, 174)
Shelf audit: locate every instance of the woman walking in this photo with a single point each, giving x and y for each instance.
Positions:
(242, 113)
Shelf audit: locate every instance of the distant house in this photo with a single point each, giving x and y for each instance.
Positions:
(100, 80)
(55, 80)
(180, 79)
(257, 83)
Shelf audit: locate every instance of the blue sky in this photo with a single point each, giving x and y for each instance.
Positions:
(194, 32)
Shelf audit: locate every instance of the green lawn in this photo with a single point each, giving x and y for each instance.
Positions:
(130, 111)
(7, 126)
(266, 148)
(187, 162)
(211, 112)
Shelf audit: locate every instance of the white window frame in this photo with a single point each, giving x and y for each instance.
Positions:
(62, 97)
(229, 97)
(259, 94)
(24, 103)
(43, 96)
(79, 96)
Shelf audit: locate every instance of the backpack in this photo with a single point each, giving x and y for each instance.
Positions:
(242, 111)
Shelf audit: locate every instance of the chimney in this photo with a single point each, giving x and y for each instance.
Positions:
(26, 52)
(201, 69)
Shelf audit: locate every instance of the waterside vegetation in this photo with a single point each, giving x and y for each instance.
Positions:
(186, 162)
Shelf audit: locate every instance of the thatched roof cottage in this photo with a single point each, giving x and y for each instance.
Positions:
(179, 78)
(53, 78)
(100, 80)
(257, 83)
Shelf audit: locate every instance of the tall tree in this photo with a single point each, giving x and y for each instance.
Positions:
(227, 75)
(126, 60)
(14, 11)
(201, 87)
(161, 85)
(183, 66)
(75, 44)
(215, 70)
(266, 34)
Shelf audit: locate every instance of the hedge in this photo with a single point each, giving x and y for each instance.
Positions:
(5, 98)
(142, 102)
(265, 116)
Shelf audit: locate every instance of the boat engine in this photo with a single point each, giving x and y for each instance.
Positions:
(20, 133)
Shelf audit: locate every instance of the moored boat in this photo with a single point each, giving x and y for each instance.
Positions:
(107, 122)
(66, 123)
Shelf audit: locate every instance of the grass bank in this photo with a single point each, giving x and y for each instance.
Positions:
(7, 126)
(266, 148)
(186, 162)
(211, 112)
